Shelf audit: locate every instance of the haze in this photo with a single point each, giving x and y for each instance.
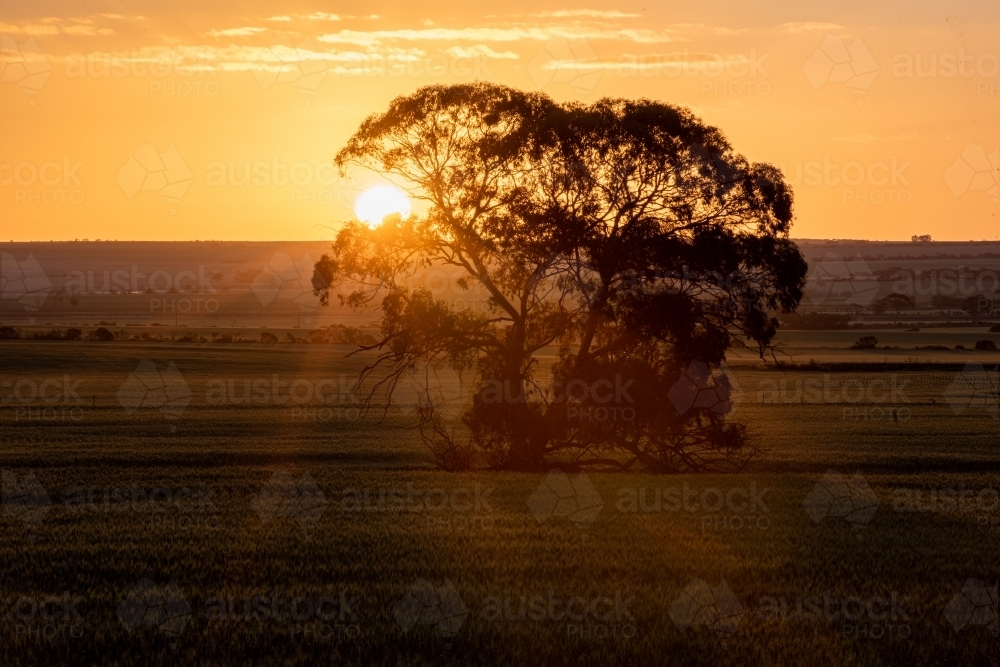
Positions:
(185, 121)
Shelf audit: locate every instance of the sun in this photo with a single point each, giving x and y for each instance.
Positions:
(373, 205)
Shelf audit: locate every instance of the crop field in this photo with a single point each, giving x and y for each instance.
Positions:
(181, 519)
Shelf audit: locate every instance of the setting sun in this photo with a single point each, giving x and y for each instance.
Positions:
(375, 204)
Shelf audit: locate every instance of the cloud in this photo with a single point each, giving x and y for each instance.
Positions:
(509, 34)
(570, 14)
(322, 16)
(86, 30)
(701, 28)
(667, 63)
(867, 138)
(809, 26)
(236, 32)
(480, 51)
(585, 13)
(316, 16)
(29, 29)
(53, 26)
(233, 58)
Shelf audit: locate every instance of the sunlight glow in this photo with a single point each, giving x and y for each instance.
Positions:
(373, 205)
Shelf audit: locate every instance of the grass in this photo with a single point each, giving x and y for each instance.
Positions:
(125, 505)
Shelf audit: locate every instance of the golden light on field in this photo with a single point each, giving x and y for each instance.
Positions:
(375, 204)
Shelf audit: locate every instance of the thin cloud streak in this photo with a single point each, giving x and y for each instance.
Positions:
(509, 34)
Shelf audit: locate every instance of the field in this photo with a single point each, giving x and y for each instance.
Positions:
(200, 527)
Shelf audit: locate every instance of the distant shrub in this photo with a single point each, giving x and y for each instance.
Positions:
(865, 343)
(247, 276)
(995, 328)
(959, 347)
(54, 334)
(103, 334)
(8, 333)
(814, 321)
(224, 338)
(985, 345)
(338, 334)
(73, 334)
(268, 337)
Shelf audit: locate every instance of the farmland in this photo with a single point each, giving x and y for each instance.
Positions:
(211, 527)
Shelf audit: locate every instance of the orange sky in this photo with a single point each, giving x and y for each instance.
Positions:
(122, 123)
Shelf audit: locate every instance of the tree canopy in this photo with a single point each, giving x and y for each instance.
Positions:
(626, 236)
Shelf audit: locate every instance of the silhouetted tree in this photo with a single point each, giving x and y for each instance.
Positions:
(894, 302)
(865, 343)
(626, 234)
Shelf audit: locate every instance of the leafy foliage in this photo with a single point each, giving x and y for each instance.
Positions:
(627, 234)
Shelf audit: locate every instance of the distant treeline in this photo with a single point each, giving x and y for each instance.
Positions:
(335, 334)
(814, 321)
(940, 255)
